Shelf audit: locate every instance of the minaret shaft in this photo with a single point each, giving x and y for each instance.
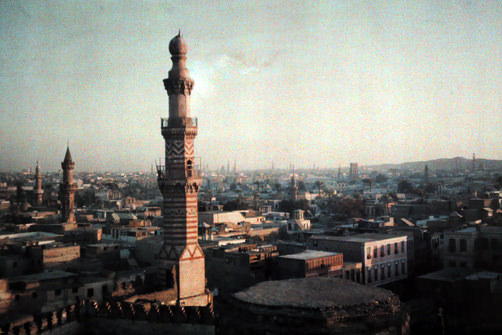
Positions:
(181, 260)
(67, 189)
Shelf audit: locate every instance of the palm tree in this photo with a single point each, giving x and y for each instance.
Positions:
(319, 184)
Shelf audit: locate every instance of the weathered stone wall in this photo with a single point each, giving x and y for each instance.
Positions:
(117, 318)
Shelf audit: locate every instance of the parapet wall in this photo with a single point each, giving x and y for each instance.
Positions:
(200, 319)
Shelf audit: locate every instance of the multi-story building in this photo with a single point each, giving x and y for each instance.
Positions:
(474, 248)
(383, 257)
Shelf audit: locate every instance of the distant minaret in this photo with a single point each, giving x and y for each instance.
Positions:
(181, 260)
(426, 171)
(339, 172)
(235, 166)
(38, 185)
(354, 171)
(228, 166)
(67, 189)
(473, 162)
(294, 187)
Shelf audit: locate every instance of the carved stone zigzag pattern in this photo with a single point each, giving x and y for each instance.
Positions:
(192, 251)
(179, 147)
(175, 148)
(170, 252)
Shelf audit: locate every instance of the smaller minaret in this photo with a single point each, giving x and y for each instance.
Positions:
(339, 172)
(38, 185)
(294, 187)
(67, 189)
(473, 162)
(426, 171)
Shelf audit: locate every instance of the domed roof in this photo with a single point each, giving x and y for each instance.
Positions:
(316, 292)
(178, 46)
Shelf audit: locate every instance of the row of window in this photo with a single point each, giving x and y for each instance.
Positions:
(318, 263)
(384, 272)
(383, 248)
(479, 244)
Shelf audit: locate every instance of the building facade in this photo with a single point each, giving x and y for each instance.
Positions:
(383, 257)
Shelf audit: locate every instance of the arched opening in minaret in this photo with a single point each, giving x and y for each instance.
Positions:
(189, 168)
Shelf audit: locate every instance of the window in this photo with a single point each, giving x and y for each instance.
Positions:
(389, 271)
(452, 245)
(495, 244)
(369, 276)
(382, 251)
(396, 249)
(383, 272)
(376, 274)
(396, 269)
(403, 267)
(368, 253)
(388, 249)
(463, 245)
(375, 252)
(315, 242)
(483, 243)
(402, 246)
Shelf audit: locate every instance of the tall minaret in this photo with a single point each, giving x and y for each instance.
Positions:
(67, 189)
(473, 162)
(38, 185)
(181, 260)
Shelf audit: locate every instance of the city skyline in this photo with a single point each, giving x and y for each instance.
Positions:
(301, 84)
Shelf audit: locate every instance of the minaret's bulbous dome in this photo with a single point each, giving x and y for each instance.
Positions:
(178, 46)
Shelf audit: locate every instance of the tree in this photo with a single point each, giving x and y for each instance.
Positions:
(404, 186)
(381, 178)
(301, 186)
(368, 182)
(319, 184)
(290, 205)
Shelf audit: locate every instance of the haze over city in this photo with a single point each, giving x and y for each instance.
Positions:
(289, 82)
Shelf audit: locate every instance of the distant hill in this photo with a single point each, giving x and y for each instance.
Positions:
(444, 164)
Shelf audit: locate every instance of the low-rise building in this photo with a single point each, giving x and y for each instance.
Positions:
(310, 263)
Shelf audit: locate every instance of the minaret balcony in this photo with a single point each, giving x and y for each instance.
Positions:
(190, 173)
(181, 122)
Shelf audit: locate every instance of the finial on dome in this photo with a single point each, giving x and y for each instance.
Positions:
(178, 46)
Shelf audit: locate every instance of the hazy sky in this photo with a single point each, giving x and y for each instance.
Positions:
(286, 81)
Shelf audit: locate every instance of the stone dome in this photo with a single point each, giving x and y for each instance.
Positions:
(178, 46)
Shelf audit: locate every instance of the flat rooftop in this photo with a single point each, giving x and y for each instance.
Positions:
(43, 276)
(366, 237)
(310, 254)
